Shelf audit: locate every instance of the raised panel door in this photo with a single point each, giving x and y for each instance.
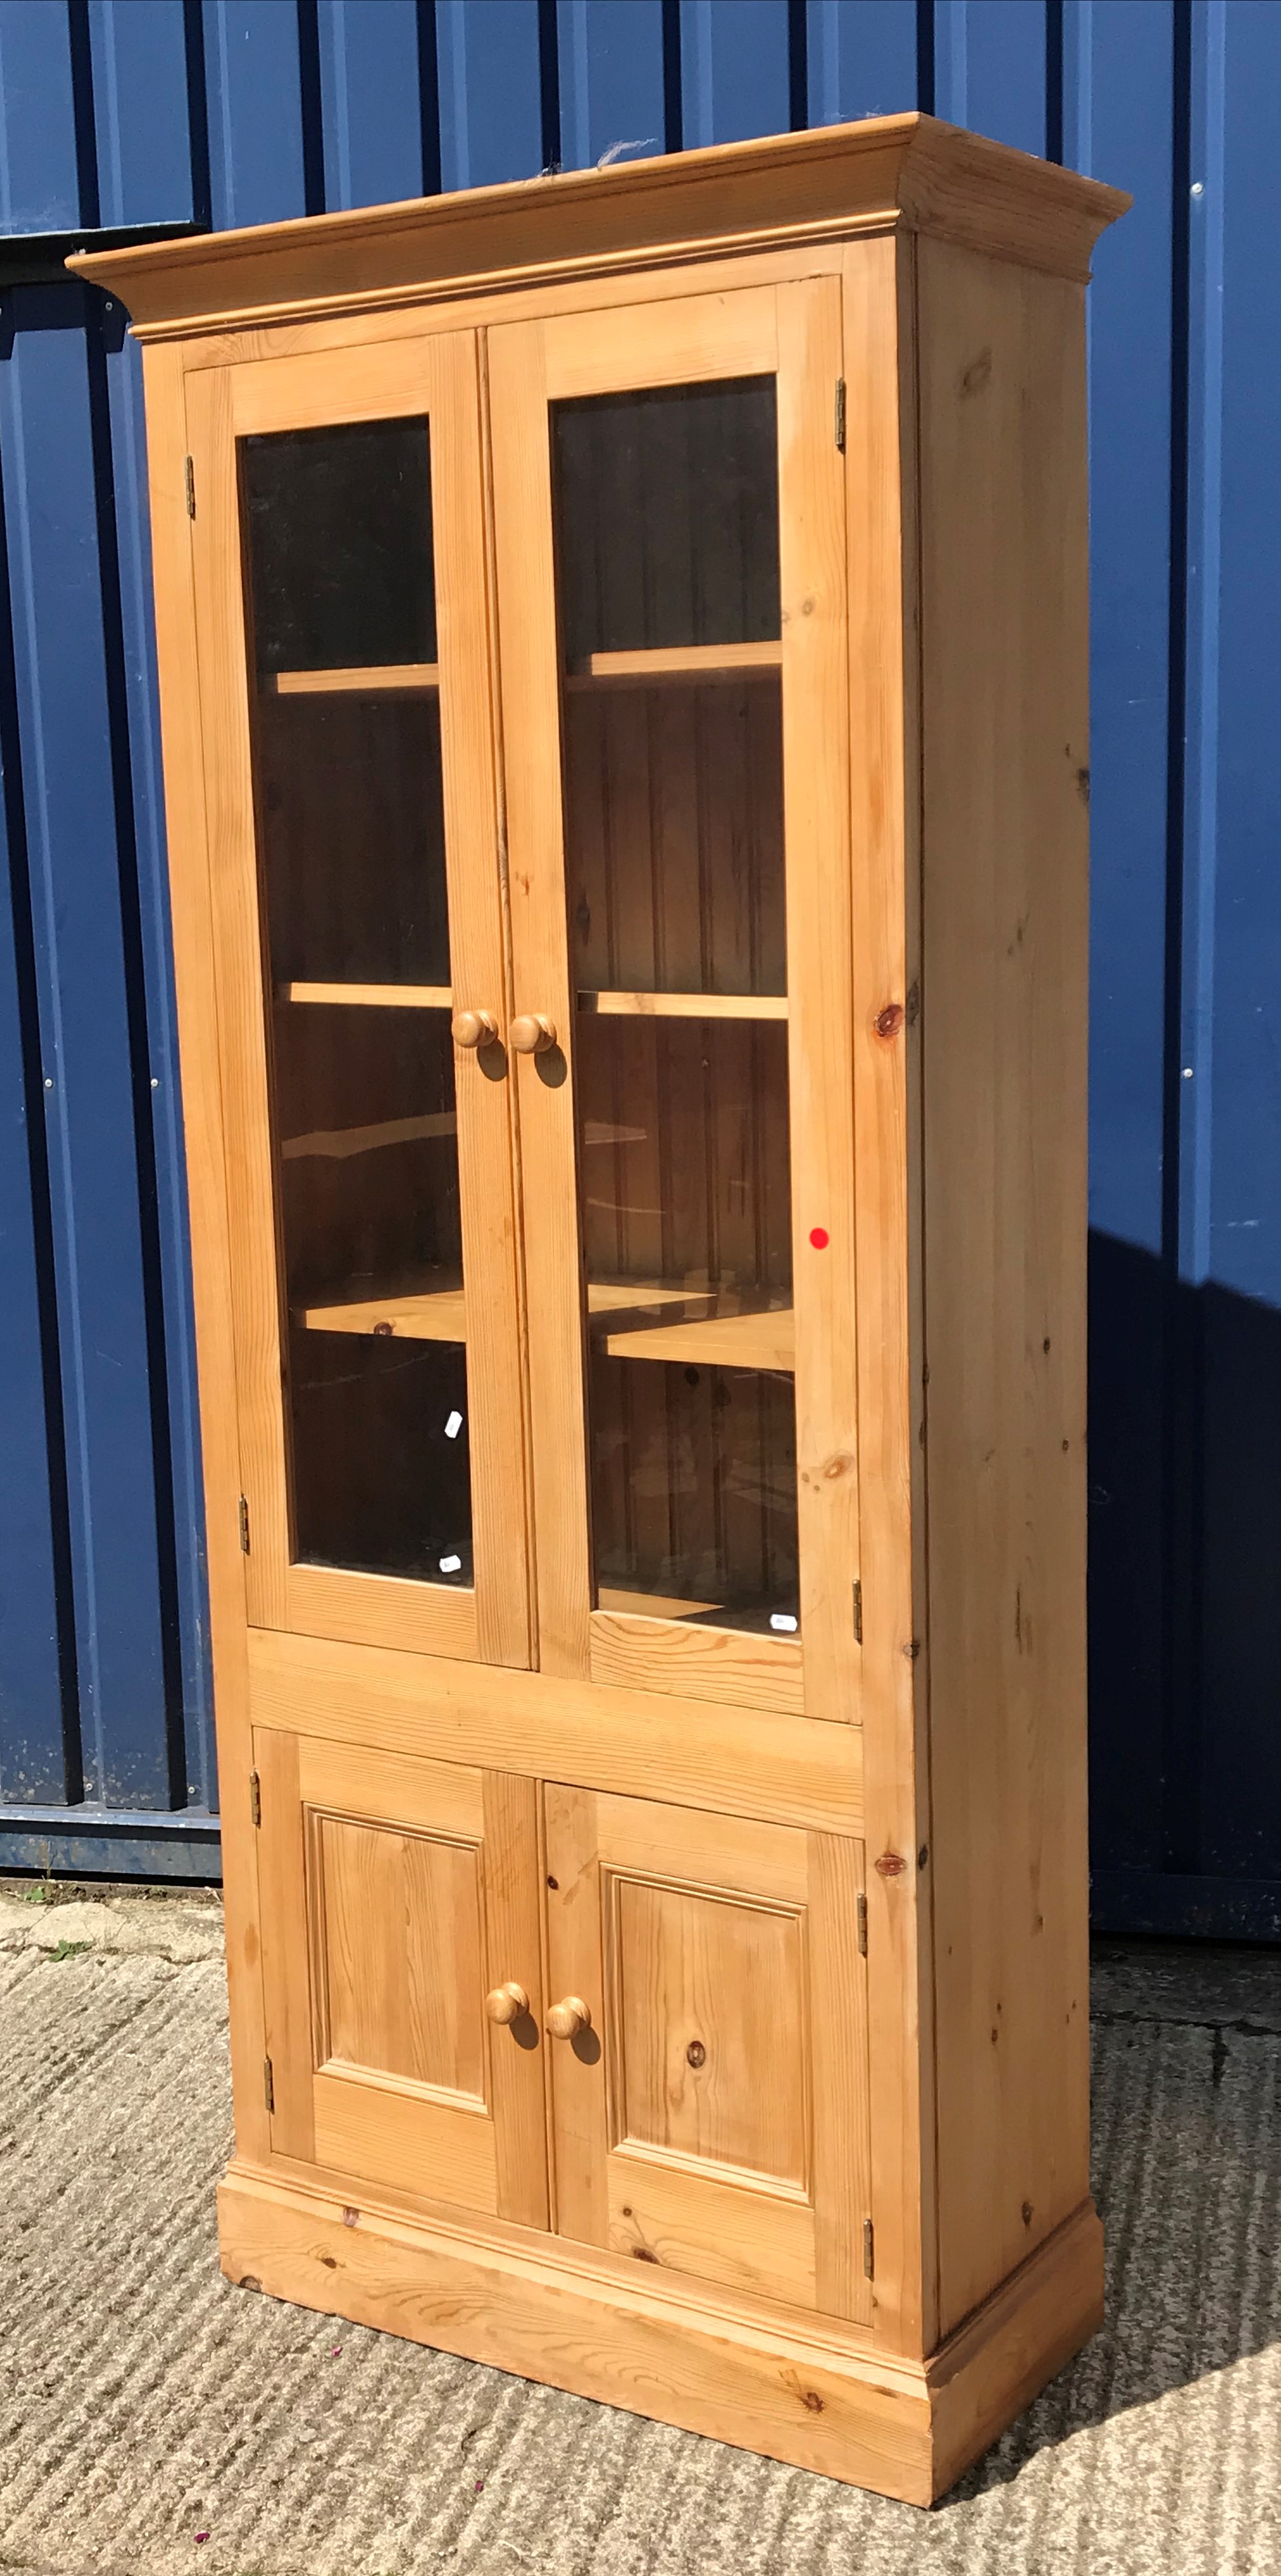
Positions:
(401, 1972)
(708, 2047)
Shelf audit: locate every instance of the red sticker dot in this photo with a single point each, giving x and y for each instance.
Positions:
(819, 1237)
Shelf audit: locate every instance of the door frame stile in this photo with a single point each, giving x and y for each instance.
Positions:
(494, 629)
(521, 500)
(885, 781)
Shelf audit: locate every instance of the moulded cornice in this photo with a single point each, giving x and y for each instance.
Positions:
(884, 174)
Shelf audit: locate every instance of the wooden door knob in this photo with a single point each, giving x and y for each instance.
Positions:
(474, 1028)
(567, 2018)
(532, 1034)
(507, 2004)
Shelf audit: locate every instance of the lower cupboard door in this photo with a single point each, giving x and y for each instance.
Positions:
(399, 1899)
(710, 2112)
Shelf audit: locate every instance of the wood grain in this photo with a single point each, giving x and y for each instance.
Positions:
(401, 1944)
(202, 1104)
(1003, 569)
(286, 1970)
(685, 1006)
(540, 978)
(695, 2099)
(842, 2140)
(764, 1341)
(885, 807)
(557, 2321)
(820, 1040)
(729, 1666)
(379, 680)
(608, 1736)
(651, 1821)
(394, 1889)
(437, 377)
(575, 2067)
(673, 343)
(878, 174)
(390, 2134)
(903, 2429)
(518, 2051)
(675, 662)
(387, 997)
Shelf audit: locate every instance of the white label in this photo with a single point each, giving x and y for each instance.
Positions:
(782, 1619)
(451, 1564)
(453, 1426)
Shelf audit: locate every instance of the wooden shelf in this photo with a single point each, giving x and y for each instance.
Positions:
(436, 1312)
(338, 1144)
(684, 1006)
(391, 679)
(651, 1605)
(642, 1297)
(676, 662)
(762, 1341)
(623, 1313)
(378, 997)
(624, 1320)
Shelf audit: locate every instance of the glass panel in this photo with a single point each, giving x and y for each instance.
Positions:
(667, 511)
(667, 518)
(351, 845)
(339, 530)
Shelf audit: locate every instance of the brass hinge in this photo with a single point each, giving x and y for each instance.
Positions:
(268, 2084)
(190, 477)
(840, 413)
(858, 1614)
(862, 1918)
(244, 1526)
(255, 1797)
(869, 2249)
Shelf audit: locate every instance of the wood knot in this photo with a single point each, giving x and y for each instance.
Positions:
(891, 1865)
(810, 2397)
(890, 1020)
(839, 1464)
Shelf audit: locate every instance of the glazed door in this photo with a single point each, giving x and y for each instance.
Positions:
(669, 515)
(708, 2046)
(342, 606)
(401, 1977)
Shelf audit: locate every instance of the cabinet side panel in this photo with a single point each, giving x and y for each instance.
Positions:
(180, 716)
(1004, 643)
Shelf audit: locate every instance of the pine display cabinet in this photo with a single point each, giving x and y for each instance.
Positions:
(623, 664)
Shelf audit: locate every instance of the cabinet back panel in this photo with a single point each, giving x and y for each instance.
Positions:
(351, 825)
(674, 836)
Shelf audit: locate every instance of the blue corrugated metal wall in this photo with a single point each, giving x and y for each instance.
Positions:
(124, 112)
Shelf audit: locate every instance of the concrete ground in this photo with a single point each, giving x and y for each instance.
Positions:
(152, 2419)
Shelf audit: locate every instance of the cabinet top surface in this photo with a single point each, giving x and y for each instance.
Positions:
(885, 173)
